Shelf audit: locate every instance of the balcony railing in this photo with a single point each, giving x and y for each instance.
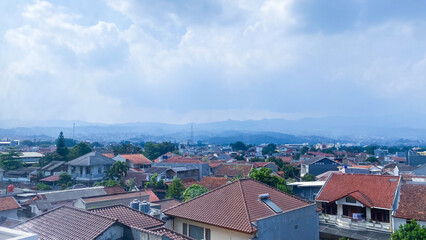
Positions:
(360, 224)
(79, 176)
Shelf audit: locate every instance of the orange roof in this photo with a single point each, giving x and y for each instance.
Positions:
(286, 159)
(235, 205)
(371, 190)
(110, 155)
(136, 158)
(8, 203)
(52, 178)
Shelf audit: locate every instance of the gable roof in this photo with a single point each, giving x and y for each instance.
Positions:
(136, 158)
(233, 170)
(52, 165)
(180, 159)
(371, 190)
(235, 205)
(129, 216)
(118, 196)
(158, 170)
(410, 203)
(67, 223)
(91, 159)
(163, 231)
(71, 194)
(213, 182)
(8, 203)
(316, 159)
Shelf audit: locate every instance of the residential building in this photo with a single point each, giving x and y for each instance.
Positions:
(134, 161)
(411, 204)
(307, 190)
(30, 157)
(245, 209)
(361, 169)
(89, 168)
(168, 173)
(114, 199)
(8, 208)
(234, 170)
(54, 168)
(358, 201)
(22, 175)
(318, 165)
(179, 161)
(416, 158)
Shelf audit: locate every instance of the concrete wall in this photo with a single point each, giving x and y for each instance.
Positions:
(322, 166)
(217, 233)
(306, 192)
(114, 232)
(297, 224)
(204, 168)
(10, 214)
(401, 221)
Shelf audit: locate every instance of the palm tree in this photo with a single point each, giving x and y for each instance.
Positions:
(117, 170)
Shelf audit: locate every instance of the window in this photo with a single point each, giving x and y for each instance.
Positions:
(99, 170)
(185, 229)
(329, 208)
(88, 170)
(380, 215)
(196, 232)
(208, 234)
(350, 200)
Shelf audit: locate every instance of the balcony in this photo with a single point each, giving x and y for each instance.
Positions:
(354, 224)
(88, 177)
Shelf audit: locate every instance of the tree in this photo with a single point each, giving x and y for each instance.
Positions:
(304, 150)
(152, 182)
(175, 189)
(269, 149)
(79, 150)
(409, 231)
(117, 170)
(43, 187)
(61, 148)
(126, 148)
(46, 159)
(107, 183)
(256, 159)
(64, 178)
(10, 160)
(154, 150)
(372, 159)
(290, 171)
(308, 178)
(194, 191)
(238, 146)
(265, 175)
(275, 160)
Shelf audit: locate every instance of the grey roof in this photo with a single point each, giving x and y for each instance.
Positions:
(52, 165)
(157, 170)
(43, 205)
(21, 171)
(182, 169)
(91, 159)
(316, 159)
(72, 194)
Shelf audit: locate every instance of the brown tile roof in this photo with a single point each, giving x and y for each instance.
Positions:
(53, 178)
(114, 190)
(67, 223)
(129, 216)
(233, 170)
(189, 182)
(370, 190)
(171, 234)
(213, 182)
(152, 196)
(110, 155)
(412, 202)
(8, 203)
(167, 203)
(262, 164)
(136, 158)
(286, 159)
(139, 177)
(235, 205)
(215, 165)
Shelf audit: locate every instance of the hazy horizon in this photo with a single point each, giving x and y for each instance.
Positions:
(205, 61)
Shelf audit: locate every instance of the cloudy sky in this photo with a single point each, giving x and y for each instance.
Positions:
(199, 61)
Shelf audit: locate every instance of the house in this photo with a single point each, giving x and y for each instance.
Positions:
(270, 165)
(307, 190)
(89, 168)
(70, 223)
(138, 177)
(179, 161)
(8, 208)
(1, 174)
(361, 169)
(420, 171)
(318, 165)
(411, 204)
(134, 161)
(168, 173)
(25, 174)
(234, 170)
(359, 202)
(30, 157)
(54, 168)
(245, 209)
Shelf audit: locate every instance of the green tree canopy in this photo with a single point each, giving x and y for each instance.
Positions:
(175, 189)
(117, 170)
(126, 148)
(64, 178)
(290, 171)
(10, 160)
(256, 159)
(194, 191)
(275, 160)
(238, 146)
(154, 150)
(269, 149)
(265, 175)
(79, 150)
(308, 177)
(304, 150)
(409, 231)
(372, 159)
(61, 149)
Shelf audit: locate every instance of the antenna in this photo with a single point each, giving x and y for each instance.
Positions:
(73, 130)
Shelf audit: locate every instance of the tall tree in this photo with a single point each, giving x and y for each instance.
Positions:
(175, 189)
(238, 146)
(269, 149)
(61, 148)
(265, 175)
(154, 150)
(10, 160)
(117, 170)
(79, 150)
(290, 171)
(194, 191)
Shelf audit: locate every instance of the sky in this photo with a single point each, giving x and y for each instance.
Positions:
(117, 61)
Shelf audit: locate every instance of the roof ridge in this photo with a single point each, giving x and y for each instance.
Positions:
(121, 205)
(245, 205)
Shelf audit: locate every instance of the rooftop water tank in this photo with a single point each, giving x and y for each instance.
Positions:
(144, 207)
(134, 204)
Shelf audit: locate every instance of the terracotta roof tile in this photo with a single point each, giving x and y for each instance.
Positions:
(136, 158)
(53, 178)
(114, 190)
(129, 216)
(8, 203)
(67, 223)
(109, 155)
(180, 159)
(213, 182)
(371, 190)
(171, 234)
(233, 170)
(235, 205)
(412, 203)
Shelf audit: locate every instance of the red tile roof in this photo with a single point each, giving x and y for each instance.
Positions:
(114, 190)
(67, 223)
(214, 165)
(136, 158)
(152, 196)
(110, 155)
(129, 216)
(412, 202)
(53, 178)
(8, 203)
(370, 190)
(286, 159)
(233, 170)
(213, 182)
(189, 182)
(180, 159)
(171, 234)
(235, 205)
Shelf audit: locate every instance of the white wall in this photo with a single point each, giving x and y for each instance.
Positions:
(114, 232)
(401, 221)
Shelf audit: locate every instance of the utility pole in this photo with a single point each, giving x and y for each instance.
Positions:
(73, 130)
